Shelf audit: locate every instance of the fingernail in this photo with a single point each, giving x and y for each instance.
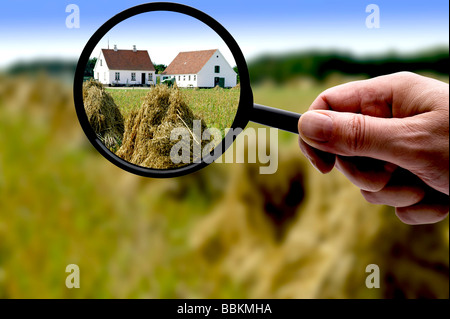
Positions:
(316, 126)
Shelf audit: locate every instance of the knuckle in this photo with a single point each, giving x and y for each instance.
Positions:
(367, 96)
(407, 75)
(356, 137)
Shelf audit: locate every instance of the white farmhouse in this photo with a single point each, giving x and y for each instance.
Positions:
(124, 67)
(204, 69)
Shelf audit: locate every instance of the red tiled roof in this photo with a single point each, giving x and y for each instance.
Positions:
(128, 60)
(189, 62)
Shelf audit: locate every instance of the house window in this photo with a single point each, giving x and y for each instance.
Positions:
(217, 69)
(179, 78)
(117, 76)
(98, 76)
(195, 77)
(101, 62)
(150, 76)
(189, 77)
(133, 76)
(184, 77)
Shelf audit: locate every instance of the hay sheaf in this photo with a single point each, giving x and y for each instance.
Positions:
(298, 234)
(103, 114)
(237, 87)
(147, 140)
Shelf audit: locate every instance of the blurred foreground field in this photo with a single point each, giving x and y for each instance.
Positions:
(224, 232)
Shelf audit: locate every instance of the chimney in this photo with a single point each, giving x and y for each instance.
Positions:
(134, 48)
(115, 47)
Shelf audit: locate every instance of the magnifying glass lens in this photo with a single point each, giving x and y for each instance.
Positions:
(164, 102)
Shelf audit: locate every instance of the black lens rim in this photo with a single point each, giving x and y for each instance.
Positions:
(245, 98)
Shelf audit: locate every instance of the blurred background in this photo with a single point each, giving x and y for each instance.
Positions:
(225, 231)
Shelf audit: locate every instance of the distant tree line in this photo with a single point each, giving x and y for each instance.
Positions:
(89, 70)
(51, 67)
(282, 68)
(58, 67)
(237, 72)
(160, 68)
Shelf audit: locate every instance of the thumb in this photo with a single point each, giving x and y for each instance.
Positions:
(351, 134)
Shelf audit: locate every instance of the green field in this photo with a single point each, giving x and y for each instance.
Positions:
(217, 107)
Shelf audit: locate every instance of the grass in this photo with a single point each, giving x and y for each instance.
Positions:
(127, 99)
(216, 106)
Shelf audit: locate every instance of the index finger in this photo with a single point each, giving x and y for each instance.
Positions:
(371, 97)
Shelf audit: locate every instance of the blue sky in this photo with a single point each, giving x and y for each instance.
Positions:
(36, 29)
(164, 35)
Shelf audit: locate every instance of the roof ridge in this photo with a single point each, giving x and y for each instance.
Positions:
(198, 51)
(189, 62)
(124, 50)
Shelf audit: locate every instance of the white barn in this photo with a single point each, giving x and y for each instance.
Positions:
(204, 69)
(124, 67)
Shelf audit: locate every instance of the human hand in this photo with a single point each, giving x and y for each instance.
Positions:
(390, 137)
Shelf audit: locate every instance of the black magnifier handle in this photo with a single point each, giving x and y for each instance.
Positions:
(280, 119)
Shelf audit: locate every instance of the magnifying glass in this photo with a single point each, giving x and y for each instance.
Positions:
(174, 120)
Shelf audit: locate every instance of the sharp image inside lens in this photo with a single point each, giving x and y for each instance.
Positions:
(160, 89)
